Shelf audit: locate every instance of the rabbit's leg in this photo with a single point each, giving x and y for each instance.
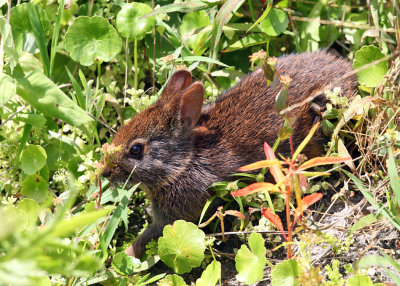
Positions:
(138, 247)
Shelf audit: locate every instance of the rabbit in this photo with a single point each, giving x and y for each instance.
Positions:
(177, 147)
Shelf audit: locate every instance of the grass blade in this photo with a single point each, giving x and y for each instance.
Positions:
(80, 98)
(370, 198)
(40, 37)
(248, 41)
(393, 176)
(263, 16)
(201, 59)
(305, 141)
(184, 7)
(54, 39)
(117, 216)
(223, 16)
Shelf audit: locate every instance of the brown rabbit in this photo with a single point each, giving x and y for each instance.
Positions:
(176, 148)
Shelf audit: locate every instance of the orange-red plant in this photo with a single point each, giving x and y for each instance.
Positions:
(289, 175)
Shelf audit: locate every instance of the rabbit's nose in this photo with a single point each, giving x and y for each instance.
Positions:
(106, 172)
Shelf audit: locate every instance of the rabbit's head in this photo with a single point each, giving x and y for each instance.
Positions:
(156, 145)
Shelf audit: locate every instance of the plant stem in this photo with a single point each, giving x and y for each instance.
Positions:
(297, 191)
(136, 68)
(2, 54)
(289, 246)
(90, 8)
(291, 145)
(253, 16)
(126, 68)
(154, 54)
(98, 76)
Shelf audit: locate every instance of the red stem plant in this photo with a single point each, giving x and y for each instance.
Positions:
(290, 177)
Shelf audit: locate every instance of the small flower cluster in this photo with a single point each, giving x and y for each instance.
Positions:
(335, 98)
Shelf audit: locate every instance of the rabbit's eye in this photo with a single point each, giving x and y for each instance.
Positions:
(136, 150)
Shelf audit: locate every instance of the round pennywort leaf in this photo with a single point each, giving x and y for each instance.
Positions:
(22, 30)
(89, 40)
(29, 210)
(33, 159)
(125, 264)
(130, 24)
(250, 264)
(172, 280)
(275, 23)
(182, 246)
(211, 275)
(35, 187)
(370, 76)
(191, 22)
(285, 273)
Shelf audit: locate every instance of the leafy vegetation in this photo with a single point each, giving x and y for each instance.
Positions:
(72, 72)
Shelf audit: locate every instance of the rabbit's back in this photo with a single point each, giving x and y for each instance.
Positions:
(244, 117)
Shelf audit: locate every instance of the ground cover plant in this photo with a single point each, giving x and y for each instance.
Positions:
(72, 72)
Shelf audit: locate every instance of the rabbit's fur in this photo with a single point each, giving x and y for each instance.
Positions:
(186, 146)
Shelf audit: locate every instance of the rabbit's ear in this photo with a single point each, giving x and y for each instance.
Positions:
(179, 81)
(191, 102)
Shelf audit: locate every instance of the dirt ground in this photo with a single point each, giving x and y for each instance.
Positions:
(333, 215)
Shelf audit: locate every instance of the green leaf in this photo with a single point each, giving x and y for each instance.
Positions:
(28, 62)
(70, 226)
(32, 119)
(223, 16)
(393, 175)
(117, 216)
(281, 100)
(172, 280)
(182, 246)
(309, 30)
(40, 92)
(191, 22)
(23, 33)
(262, 17)
(130, 23)
(250, 264)
(363, 222)
(35, 187)
(125, 264)
(359, 279)
(200, 59)
(285, 273)
(7, 88)
(275, 23)
(29, 210)
(327, 127)
(370, 76)
(54, 38)
(33, 159)
(285, 132)
(152, 279)
(371, 199)
(184, 7)
(89, 40)
(41, 39)
(80, 98)
(374, 260)
(385, 261)
(9, 48)
(211, 275)
(248, 41)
